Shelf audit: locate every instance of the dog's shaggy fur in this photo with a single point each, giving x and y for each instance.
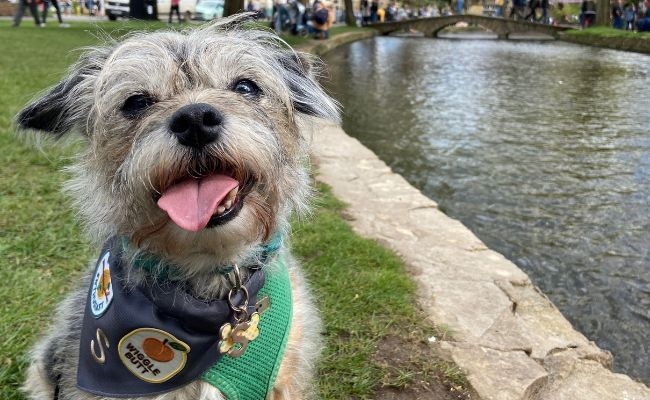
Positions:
(121, 98)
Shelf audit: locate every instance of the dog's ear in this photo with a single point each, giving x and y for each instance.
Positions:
(306, 94)
(63, 106)
(53, 112)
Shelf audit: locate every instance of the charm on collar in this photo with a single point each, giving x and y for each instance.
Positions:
(234, 338)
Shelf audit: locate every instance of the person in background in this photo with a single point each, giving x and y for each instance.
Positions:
(400, 14)
(498, 9)
(90, 6)
(255, 8)
(280, 15)
(459, 6)
(518, 9)
(322, 19)
(374, 6)
(640, 10)
(391, 12)
(588, 13)
(365, 12)
(617, 15)
(55, 3)
(381, 13)
(533, 5)
(545, 17)
(644, 23)
(67, 7)
(175, 7)
(20, 11)
(629, 15)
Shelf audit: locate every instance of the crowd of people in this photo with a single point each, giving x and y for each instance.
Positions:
(372, 11)
(316, 20)
(294, 17)
(39, 9)
(631, 16)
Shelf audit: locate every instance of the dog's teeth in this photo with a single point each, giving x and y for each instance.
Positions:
(227, 204)
(232, 195)
(221, 210)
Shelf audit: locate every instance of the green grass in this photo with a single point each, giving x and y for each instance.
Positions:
(364, 294)
(40, 246)
(603, 31)
(362, 288)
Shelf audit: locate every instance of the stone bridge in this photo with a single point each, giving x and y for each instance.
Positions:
(501, 26)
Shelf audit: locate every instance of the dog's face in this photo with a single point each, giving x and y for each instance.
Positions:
(196, 141)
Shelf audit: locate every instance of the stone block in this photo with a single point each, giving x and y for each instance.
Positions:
(498, 375)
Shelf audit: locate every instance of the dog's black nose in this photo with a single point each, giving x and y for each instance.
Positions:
(196, 125)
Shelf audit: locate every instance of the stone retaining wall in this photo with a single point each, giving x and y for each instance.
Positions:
(511, 340)
(615, 43)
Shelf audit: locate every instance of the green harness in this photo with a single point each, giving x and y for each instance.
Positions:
(252, 375)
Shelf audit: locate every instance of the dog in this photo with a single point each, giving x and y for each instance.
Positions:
(196, 155)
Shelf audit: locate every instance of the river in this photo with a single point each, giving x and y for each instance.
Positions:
(542, 149)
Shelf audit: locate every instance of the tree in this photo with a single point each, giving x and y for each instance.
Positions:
(603, 11)
(232, 7)
(350, 19)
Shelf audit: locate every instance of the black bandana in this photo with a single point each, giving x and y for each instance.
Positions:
(148, 340)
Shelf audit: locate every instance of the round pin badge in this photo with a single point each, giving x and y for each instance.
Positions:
(153, 355)
(101, 289)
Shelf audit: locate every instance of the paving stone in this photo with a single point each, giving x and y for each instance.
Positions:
(498, 375)
(469, 316)
(577, 377)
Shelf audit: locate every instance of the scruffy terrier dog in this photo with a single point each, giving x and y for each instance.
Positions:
(197, 154)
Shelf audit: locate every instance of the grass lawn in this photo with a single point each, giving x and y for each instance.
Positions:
(604, 31)
(375, 335)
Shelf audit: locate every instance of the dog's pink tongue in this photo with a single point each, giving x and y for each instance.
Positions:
(192, 202)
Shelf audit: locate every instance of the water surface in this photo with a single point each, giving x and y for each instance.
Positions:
(541, 148)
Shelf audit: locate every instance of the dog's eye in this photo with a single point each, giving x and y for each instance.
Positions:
(135, 105)
(246, 87)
